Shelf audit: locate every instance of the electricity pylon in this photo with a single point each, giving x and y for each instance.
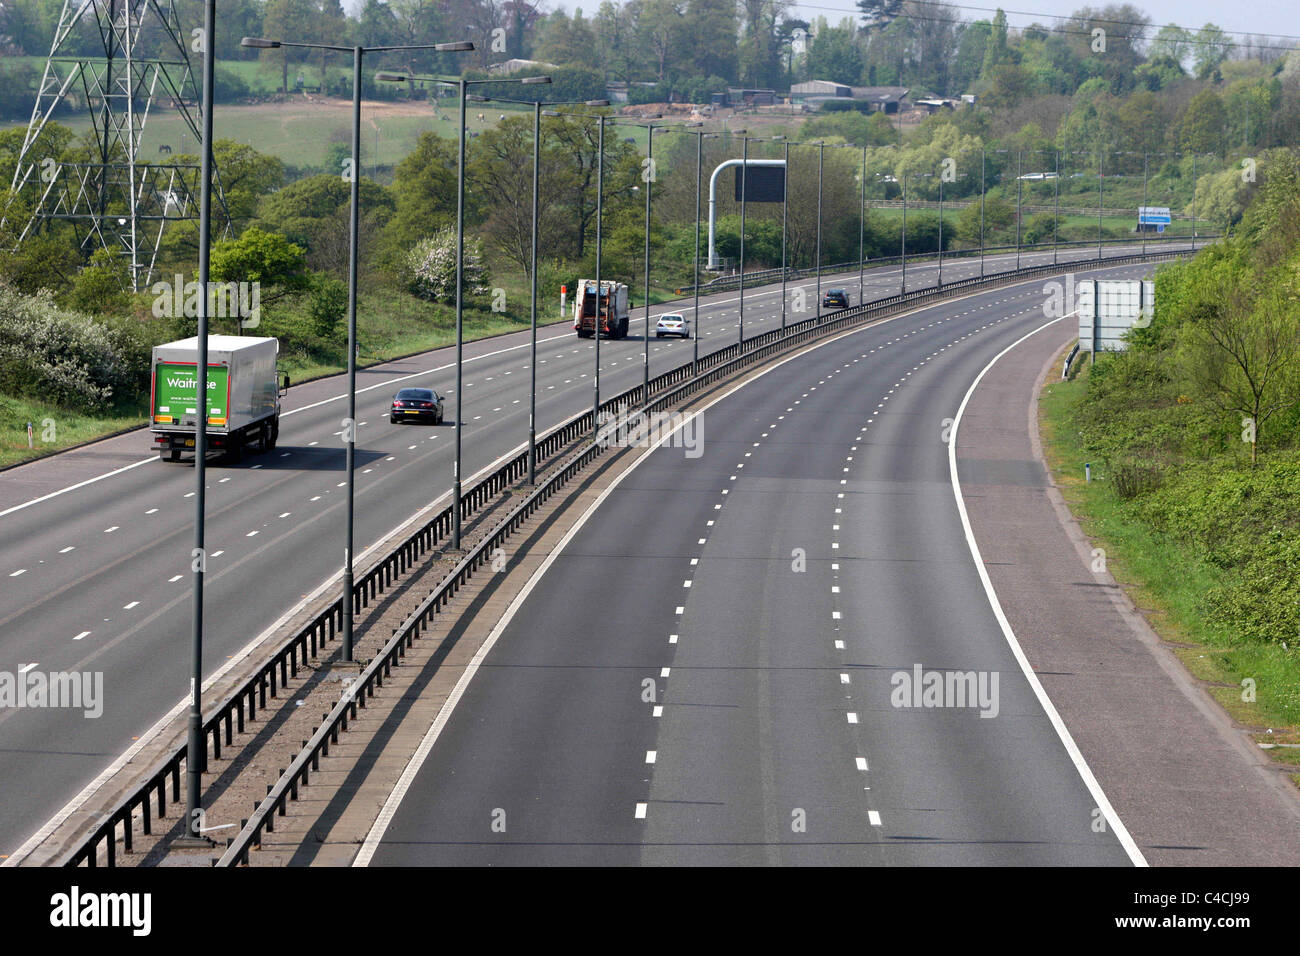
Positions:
(113, 59)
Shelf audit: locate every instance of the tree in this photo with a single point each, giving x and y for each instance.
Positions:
(424, 192)
(835, 55)
(710, 38)
(1243, 352)
(1204, 124)
(1221, 198)
(313, 213)
(1171, 41)
(259, 256)
(1211, 49)
(878, 14)
(760, 50)
(296, 20)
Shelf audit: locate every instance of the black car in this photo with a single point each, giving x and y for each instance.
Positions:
(416, 405)
(835, 299)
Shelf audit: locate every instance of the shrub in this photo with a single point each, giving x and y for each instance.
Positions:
(430, 267)
(66, 357)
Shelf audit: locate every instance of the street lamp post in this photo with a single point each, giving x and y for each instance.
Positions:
(1019, 185)
(903, 282)
(1056, 203)
(941, 230)
(354, 178)
(1144, 202)
(532, 303)
(982, 191)
(1101, 186)
(785, 206)
(462, 85)
(196, 752)
(744, 181)
(695, 281)
(862, 226)
(821, 152)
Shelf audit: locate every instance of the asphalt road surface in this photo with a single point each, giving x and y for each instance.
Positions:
(718, 668)
(96, 542)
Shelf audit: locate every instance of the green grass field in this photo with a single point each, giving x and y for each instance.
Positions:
(301, 128)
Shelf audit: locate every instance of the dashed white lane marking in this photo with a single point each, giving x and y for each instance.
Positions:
(839, 645)
(640, 811)
(81, 635)
(658, 711)
(664, 671)
(672, 638)
(651, 756)
(24, 570)
(111, 530)
(71, 547)
(844, 678)
(173, 579)
(217, 554)
(127, 607)
(25, 669)
(152, 511)
(873, 817)
(853, 718)
(251, 533)
(861, 763)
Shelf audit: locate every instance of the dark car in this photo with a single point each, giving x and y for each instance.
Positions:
(416, 405)
(835, 299)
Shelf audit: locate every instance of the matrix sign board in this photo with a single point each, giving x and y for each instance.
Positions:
(765, 183)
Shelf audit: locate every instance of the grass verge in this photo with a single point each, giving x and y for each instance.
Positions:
(1167, 581)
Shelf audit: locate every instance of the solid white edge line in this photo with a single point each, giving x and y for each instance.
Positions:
(1071, 748)
(75, 804)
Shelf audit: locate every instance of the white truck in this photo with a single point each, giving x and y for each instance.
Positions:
(243, 400)
(611, 305)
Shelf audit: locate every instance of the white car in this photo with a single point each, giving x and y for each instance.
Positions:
(673, 323)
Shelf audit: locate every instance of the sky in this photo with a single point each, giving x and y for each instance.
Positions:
(1258, 16)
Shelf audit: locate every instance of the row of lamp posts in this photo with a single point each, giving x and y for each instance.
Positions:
(196, 751)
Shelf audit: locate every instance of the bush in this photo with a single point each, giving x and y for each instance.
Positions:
(1131, 477)
(327, 306)
(430, 267)
(66, 357)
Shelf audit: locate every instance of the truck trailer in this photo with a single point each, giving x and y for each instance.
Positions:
(613, 309)
(243, 401)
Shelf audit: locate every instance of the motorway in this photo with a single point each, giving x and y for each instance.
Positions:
(709, 670)
(96, 541)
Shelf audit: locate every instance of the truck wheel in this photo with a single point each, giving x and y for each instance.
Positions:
(263, 440)
(173, 454)
(275, 435)
(235, 451)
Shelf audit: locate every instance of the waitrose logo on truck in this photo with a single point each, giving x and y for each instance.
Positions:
(175, 389)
